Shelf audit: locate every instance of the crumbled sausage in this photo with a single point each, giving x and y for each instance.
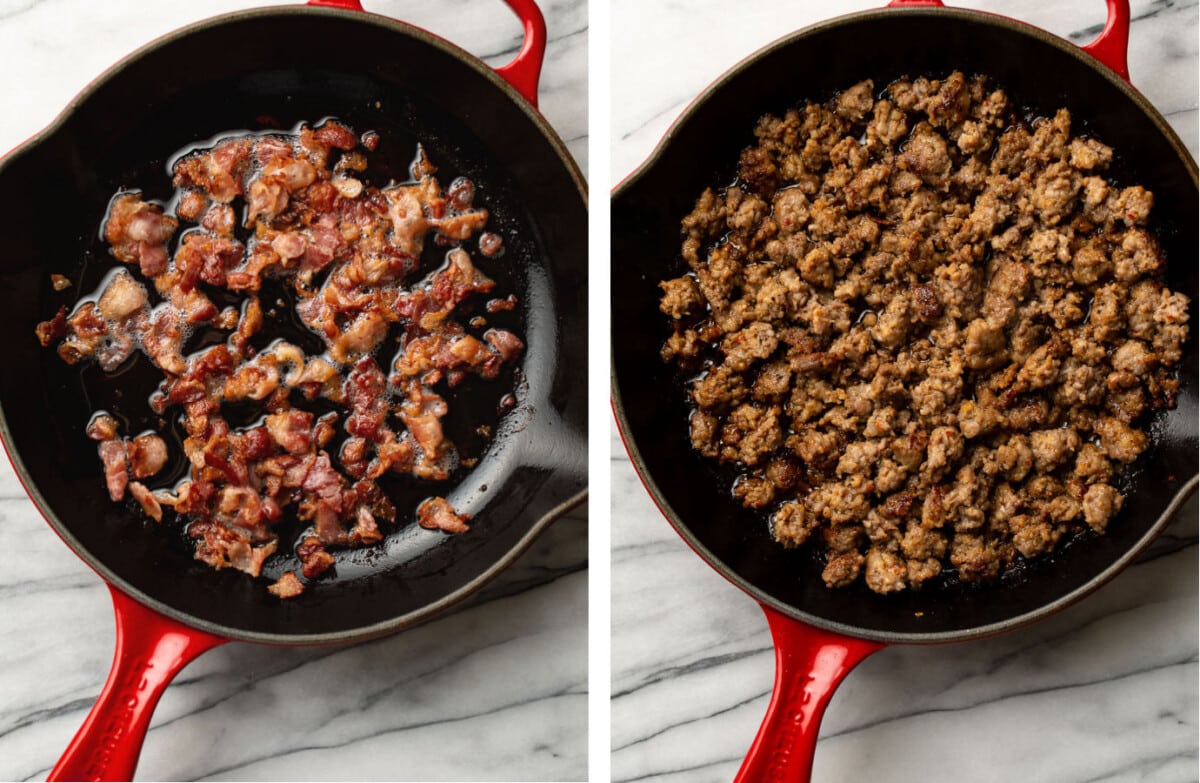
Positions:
(926, 330)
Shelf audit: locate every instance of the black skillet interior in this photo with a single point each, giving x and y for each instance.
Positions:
(1037, 70)
(276, 69)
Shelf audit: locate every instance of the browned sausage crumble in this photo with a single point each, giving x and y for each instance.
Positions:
(351, 252)
(926, 330)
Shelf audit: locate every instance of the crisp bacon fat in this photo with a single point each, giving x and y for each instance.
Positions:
(292, 207)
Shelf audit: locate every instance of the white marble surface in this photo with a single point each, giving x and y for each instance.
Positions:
(495, 691)
(1104, 691)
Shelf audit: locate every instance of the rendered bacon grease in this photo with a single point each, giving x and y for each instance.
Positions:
(352, 253)
(927, 331)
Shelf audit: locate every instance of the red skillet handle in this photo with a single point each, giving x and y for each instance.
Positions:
(809, 665)
(526, 68)
(151, 650)
(1111, 47)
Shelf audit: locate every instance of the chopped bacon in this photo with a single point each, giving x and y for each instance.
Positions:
(292, 430)
(457, 280)
(116, 469)
(336, 135)
(365, 532)
(267, 198)
(102, 427)
(146, 499)
(163, 341)
(437, 514)
(286, 586)
(490, 244)
(122, 297)
(138, 232)
(314, 560)
(507, 344)
(220, 220)
(147, 455)
(54, 329)
(364, 391)
(344, 248)
(224, 547)
(218, 171)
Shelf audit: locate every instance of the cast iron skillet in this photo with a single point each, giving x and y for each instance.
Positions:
(820, 634)
(277, 67)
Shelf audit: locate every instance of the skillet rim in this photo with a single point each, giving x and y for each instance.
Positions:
(29, 485)
(629, 183)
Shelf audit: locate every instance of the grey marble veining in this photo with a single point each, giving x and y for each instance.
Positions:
(496, 690)
(1103, 691)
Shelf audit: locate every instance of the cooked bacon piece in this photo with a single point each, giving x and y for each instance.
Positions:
(365, 532)
(204, 257)
(122, 297)
(490, 244)
(437, 514)
(223, 547)
(293, 174)
(348, 187)
(292, 430)
(393, 453)
(248, 326)
(138, 232)
(102, 427)
(407, 214)
(147, 455)
(267, 198)
(218, 171)
(323, 246)
(286, 586)
(457, 280)
(422, 413)
(267, 148)
(116, 469)
(289, 245)
(364, 392)
(220, 220)
(146, 499)
(85, 329)
(191, 205)
(115, 349)
(362, 335)
(163, 341)
(314, 560)
(496, 305)
(421, 166)
(54, 329)
(507, 344)
(334, 134)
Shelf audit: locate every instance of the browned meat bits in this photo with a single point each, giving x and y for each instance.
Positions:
(291, 208)
(926, 330)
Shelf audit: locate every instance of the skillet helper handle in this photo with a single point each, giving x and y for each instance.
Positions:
(809, 665)
(151, 649)
(1111, 47)
(525, 69)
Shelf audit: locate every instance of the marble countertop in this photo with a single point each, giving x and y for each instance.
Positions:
(1103, 691)
(496, 690)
